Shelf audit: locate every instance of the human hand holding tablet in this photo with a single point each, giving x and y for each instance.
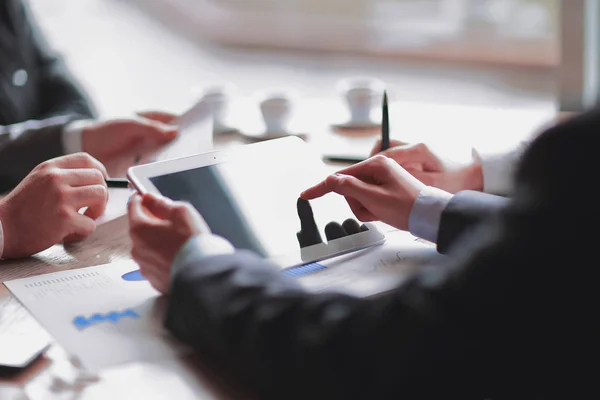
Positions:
(249, 196)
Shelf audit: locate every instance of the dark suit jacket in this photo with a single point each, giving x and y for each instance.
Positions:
(464, 213)
(511, 313)
(35, 86)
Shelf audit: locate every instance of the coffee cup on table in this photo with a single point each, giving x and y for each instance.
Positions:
(361, 95)
(276, 110)
(218, 99)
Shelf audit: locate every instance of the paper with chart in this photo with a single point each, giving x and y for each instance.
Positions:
(109, 314)
(374, 270)
(104, 315)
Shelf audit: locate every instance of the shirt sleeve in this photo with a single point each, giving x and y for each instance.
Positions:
(71, 136)
(426, 213)
(499, 168)
(198, 247)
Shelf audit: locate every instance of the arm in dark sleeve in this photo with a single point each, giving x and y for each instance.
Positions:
(60, 93)
(23, 146)
(448, 331)
(463, 212)
(510, 314)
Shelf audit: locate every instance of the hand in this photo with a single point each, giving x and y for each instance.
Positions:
(431, 170)
(375, 189)
(44, 208)
(121, 143)
(159, 228)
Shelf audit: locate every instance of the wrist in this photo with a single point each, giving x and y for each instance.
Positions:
(198, 247)
(473, 176)
(72, 136)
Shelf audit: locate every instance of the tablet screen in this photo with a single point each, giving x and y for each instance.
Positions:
(254, 202)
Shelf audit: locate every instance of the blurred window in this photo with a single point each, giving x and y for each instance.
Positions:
(520, 32)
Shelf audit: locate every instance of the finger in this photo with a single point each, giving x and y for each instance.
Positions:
(334, 183)
(318, 190)
(159, 116)
(159, 206)
(351, 226)
(371, 169)
(375, 169)
(185, 214)
(83, 177)
(359, 211)
(393, 143)
(148, 271)
(77, 161)
(417, 153)
(94, 197)
(350, 186)
(158, 277)
(413, 166)
(80, 227)
(157, 133)
(161, 285)
(137, 215)
(147, 260)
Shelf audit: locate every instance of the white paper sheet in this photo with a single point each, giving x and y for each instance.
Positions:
(101, 315)
(117, 204)
(375, 270)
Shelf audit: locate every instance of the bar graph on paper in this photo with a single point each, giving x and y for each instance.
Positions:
(104, 315)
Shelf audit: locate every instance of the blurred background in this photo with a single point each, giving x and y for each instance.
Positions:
(487, 54)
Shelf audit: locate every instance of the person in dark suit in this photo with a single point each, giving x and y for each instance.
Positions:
(44, 113)
(509, 313)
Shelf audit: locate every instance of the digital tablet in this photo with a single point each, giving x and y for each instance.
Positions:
(249, 194)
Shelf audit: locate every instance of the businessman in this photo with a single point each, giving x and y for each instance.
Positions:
(44, 208)
(509, 314)
(44, 113)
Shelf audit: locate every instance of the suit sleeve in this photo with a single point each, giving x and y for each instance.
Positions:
(25, 145)
(464, 211)
(60, 92)
(500, 317)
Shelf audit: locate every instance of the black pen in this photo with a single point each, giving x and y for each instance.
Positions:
(343, 159)
(120, 183)
(385, 124)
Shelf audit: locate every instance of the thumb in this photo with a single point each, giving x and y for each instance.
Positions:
(393, 143)
(159, 116)
(159, 132)
(160, 207)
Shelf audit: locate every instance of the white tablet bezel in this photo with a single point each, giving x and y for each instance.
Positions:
(140, 177)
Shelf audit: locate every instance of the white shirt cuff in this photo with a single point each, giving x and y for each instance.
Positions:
(71, 136)
(499, 169)
(1, 240)
(426, 213)
(200, 246)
